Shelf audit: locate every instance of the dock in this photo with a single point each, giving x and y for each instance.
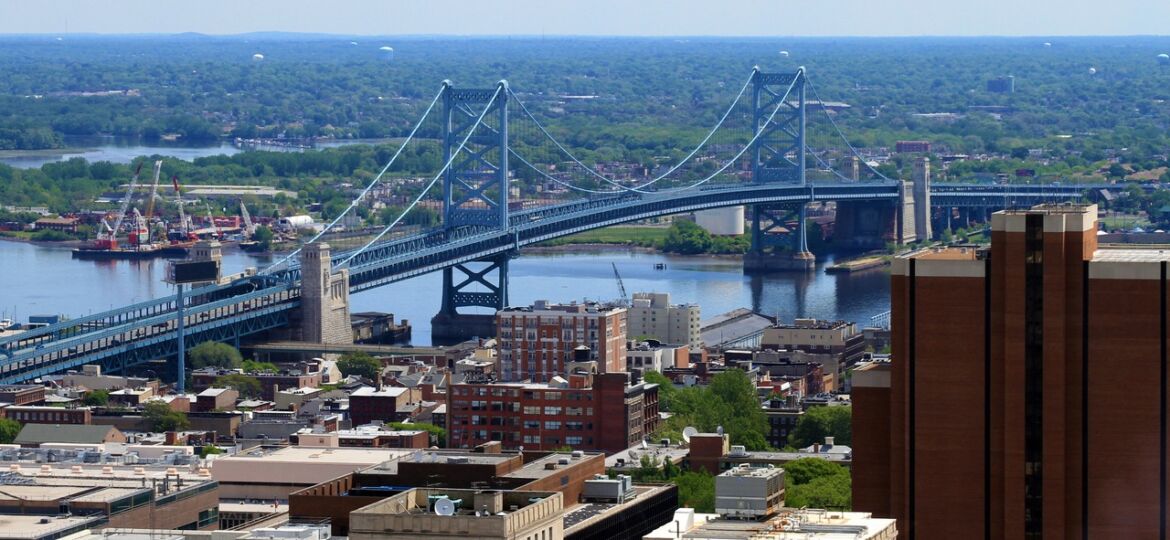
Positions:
(857, 265)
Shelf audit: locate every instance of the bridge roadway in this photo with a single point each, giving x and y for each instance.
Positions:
(147, 330)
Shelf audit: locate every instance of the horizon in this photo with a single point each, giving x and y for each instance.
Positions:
(595, 18)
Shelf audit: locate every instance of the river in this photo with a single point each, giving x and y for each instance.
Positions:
(40, 280)
(124, 150)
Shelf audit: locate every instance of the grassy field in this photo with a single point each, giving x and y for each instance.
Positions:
(641, 236)
(1125, 221)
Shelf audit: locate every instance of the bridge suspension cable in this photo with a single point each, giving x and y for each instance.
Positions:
(435, 180)
(779, 104)
(377, 179)
(639, 189)
(841, 134)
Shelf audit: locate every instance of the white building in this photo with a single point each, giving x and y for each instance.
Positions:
(652, 316)
(721, 221)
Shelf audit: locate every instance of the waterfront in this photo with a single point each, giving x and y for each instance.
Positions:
(46, 280)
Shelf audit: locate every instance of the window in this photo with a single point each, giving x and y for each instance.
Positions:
(531, 424)
(552, 411)
(552, 396)
(573, 440)
(552, 425)
(531, 409)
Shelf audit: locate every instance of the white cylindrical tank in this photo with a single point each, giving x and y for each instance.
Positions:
(721, 221)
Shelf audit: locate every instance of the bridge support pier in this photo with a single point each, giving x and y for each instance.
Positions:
(484, 284)
(324, 298)
(767, 253)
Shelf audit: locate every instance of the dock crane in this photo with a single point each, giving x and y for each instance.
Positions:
(109, 239)
(145, 231)
(249, 227)
(625, 300)
(184, 221)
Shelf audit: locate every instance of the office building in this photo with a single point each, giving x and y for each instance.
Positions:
(1027, 391)
(652, 316)
(817, 337)
(1002, 85)
(539, 342)
(586, 412)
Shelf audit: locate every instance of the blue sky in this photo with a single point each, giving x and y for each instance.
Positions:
(596, 17)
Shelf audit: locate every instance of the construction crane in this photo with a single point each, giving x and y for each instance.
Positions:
(211, 222)
(109, 240)
(249, 227)
(625, 300)
(153, 196)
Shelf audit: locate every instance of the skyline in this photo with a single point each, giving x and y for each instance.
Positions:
(599, 18)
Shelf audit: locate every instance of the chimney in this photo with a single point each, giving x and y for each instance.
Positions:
(828, 441)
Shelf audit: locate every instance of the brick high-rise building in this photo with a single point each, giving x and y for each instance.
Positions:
(535, 343)
(1027, 395)
(587, 412)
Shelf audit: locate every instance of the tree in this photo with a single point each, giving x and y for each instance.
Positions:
(209, 449)
(438, 435)
(264, 236)
(817, 483)
(97, 398)
(360, 364)
(820, 422)
(214, 354)
(666, 389)
(9, 429)
(829, 492)
(696, 490)
(161, 418)
(248, 387)
(252, 366)
(729, 401)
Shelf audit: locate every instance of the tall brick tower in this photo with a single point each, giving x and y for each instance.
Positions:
(324, 298)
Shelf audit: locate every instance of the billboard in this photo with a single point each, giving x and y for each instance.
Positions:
(194, 272)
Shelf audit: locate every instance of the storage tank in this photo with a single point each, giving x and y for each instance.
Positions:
(721, 221)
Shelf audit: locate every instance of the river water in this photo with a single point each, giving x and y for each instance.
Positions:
(37, 280)
(124, 150)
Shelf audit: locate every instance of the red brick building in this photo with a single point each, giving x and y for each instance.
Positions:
(586, 412)
(912, 147)
(1027, 395)
(536, 343)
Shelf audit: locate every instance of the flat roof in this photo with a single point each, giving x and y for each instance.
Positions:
(30, 526)
(946, 254)
(581, 515)
(306, 454)
(535, 468)
(1129, 253)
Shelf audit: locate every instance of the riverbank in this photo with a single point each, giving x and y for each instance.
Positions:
(45, 243)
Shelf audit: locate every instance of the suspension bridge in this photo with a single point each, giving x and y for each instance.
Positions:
(762, 152)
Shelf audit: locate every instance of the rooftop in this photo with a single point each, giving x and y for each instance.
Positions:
(581, 515)
(789, 524)
(1129, 253)
(30, 526)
